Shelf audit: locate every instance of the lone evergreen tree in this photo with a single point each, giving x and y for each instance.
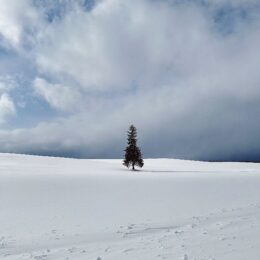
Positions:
(133, 154)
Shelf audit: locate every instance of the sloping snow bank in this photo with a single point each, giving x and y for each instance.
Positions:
(56, 208)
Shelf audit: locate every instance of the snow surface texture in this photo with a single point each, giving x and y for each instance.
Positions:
(55, 208)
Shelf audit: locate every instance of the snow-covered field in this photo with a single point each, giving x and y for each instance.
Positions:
(54, 208)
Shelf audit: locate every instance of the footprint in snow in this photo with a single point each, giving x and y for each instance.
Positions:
(107, 249)
(131, 226)
(177, 232)
(40, 257)
(185, 257)
(128, 250)
(192, 225)
(2, 245)
(162, 256)
(72, 250)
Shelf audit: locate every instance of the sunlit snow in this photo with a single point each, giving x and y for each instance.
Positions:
(55, 208)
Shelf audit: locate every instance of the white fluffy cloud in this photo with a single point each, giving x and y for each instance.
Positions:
(121, 43)
(15, 18)
(171, 67)
(7, 83)
(7, 108)
(57, 95)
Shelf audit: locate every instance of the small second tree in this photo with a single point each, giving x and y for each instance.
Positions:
(133, 155)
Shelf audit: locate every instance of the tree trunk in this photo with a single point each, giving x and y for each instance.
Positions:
(133, 167)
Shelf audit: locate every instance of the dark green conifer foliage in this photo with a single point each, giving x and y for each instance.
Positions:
(133, 155)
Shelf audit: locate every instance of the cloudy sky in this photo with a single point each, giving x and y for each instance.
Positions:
(74, 74)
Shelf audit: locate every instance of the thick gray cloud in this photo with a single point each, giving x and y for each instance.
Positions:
(185, 72)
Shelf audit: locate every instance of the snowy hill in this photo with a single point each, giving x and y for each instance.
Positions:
(56, 208)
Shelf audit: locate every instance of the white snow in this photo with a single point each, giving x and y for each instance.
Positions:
(56, 208)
